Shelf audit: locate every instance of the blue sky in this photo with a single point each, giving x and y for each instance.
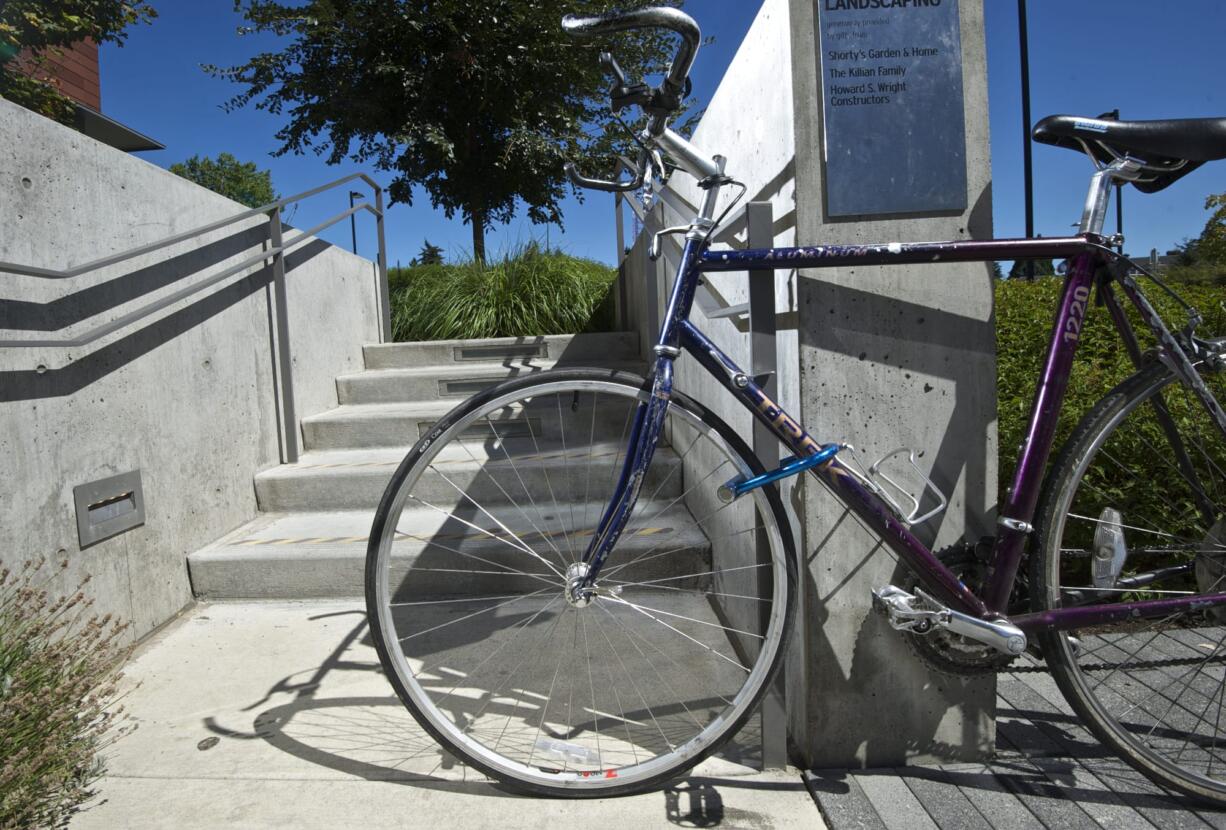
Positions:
(1086, 57)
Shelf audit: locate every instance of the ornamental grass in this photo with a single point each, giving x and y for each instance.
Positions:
(527, 292)
(59, 696)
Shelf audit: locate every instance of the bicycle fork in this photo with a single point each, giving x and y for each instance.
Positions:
(644, 438)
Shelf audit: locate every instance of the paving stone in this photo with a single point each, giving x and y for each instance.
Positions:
(895, 803)
(945, 803)
(842, 803)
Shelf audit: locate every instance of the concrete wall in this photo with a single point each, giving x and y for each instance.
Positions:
(187, 396)
(891, 357)
(880, 358)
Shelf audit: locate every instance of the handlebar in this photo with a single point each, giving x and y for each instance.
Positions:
(581, 180)
(664, 18)
(659, 103)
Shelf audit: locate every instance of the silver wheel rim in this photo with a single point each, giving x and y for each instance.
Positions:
(1091, 661)
(625, 776)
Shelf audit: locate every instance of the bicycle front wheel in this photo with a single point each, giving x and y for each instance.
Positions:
(1136, 510)
(466, 588)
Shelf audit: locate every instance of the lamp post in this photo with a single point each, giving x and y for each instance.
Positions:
(1028, 171)
(353, 228)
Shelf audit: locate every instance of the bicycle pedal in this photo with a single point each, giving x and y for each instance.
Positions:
(920, 613)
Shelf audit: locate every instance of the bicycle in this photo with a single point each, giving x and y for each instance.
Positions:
(542, 605)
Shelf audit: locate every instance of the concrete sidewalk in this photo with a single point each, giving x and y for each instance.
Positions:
(260, 715)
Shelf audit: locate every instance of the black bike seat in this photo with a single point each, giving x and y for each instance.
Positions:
(1181, 144)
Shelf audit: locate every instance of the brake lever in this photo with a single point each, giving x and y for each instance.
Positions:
(572, 172)
(613, 68)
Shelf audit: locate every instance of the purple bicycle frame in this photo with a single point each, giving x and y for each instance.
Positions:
(1087, 254)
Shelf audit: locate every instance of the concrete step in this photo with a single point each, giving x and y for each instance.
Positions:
(323, 554)
(356, 479)
(451, 382)
(356, 426)
(569, 349)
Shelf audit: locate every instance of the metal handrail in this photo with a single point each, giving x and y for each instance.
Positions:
(709, 300)
(274, 251)
(50, 273)
(100, 331)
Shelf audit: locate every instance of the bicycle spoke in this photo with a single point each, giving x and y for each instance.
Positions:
(515, 469)
(520, 547)
(474, 614)
(552, 497)
(647, 613)
(485, 469)
(504, 569)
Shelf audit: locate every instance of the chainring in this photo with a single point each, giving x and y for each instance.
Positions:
(942, 649)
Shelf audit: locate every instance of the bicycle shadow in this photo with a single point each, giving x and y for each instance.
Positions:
(372, 736)
(368, 736)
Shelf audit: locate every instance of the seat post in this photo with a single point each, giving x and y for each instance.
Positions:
(1098, 199)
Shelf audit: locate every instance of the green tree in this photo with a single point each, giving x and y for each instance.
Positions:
(479, 102)
(1211, 246)
(1203, 260)
(429, 255)
(1042, 268)
(241, 181)
(42, 29)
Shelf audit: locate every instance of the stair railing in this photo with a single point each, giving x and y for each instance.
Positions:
(274, 253)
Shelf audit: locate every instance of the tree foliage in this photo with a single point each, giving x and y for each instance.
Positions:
(241, 181)
(480, 102)
(1042, 268)
(1203, 260)
(31, 31)
(1211, 246)
(429, 255)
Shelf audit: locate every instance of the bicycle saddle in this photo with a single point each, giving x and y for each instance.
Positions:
(1175, 146)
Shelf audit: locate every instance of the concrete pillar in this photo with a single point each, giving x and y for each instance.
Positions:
(889, 357)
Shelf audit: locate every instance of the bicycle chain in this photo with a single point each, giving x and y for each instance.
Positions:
(1145, 664)
(939, 648)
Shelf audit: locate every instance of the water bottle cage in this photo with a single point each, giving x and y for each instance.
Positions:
(902, 500)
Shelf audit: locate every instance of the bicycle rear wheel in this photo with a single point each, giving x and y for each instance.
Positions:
(467, 602)
(1135, 510)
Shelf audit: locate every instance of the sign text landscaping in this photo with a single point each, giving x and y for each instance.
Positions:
(894, 133)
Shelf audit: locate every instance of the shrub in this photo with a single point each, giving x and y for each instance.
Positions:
(58, 696)
(527, 293)
(1024, 315)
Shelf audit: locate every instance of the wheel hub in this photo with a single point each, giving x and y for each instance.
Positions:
(575, 593)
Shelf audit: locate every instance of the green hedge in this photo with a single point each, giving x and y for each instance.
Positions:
(1024, 315)
(527, 293)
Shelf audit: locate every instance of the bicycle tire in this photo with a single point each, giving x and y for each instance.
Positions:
(582, 737)
(1151, 690)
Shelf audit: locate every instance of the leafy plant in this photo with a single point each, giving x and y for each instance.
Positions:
(33, 30)
(1023, 326)
(58, 698)
(241, 181)
(479, 102)
(529, 292)
(1203, 260)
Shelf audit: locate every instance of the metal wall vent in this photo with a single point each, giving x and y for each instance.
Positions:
(524, 351)
(108, 507)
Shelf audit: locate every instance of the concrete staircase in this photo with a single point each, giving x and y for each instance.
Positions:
(310, 537)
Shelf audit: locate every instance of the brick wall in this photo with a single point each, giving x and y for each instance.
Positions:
(75, 72)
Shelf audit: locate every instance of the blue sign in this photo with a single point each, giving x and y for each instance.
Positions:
(894, 131)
